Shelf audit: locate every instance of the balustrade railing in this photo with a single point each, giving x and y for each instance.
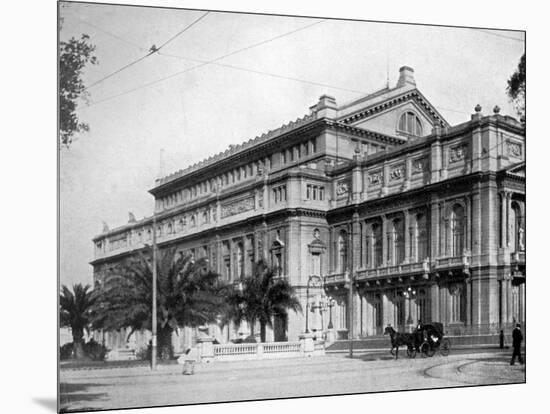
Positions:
(269, 350)
(422, 267)
(235, 349)
(282, 347)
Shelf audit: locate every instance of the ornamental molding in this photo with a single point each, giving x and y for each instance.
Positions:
(375, 177)
(237, 207)
(397, 172)
(458, 153)
(420, 165)
(514, 149)
(342, 187)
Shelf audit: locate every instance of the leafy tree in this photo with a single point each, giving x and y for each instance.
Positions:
(262, 298)
(75, 312)
(74, 55)
(188, 294)
(516, 87)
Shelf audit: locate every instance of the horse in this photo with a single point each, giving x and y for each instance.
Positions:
(398, 339)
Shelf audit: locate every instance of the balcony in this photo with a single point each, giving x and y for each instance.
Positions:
(403, 269)
(453, 262)
(335, 279)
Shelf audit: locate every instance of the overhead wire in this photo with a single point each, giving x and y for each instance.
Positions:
(216, 63)
(259, 72)
(151, 51)
(102, 30)
(203, 64)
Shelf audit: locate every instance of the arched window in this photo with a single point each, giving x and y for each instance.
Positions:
(457, 230)
(398, 241)
(342, 251)
(410, 124)
(421, 234)
(240, 261)
(457, 303)
(377, 245)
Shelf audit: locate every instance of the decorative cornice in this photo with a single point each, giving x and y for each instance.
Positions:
(234, 150)
(382, 106)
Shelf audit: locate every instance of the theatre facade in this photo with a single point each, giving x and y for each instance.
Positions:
(421, 219)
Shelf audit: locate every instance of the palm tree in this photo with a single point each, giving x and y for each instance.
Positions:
(187, 295)
(75, 312)
(263, 297)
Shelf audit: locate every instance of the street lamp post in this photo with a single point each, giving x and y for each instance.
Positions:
(409, 294)
(154, 305)
(307, 299)
(331, 303)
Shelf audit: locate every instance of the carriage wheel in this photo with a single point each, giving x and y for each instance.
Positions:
(445, 347)
(427, 350)
(411, 352)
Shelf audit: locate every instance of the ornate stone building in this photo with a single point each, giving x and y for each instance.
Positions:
(425, 218)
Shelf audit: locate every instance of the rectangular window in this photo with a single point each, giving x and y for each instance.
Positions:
(306, 149)
(308, 192)
(290, 155)
(321, 193)
(313, 146)
(283, 157)
(298, 151)
(315, 192)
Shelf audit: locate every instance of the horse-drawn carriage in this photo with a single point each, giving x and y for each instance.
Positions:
(426, 340)
(433, 338)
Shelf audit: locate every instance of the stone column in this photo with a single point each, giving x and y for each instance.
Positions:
(357, 329)
(508, 223)
(509, 299)
(407, 231)
(436, 157)
(476, 226)
(434, 299)
(468, 213)
(385, 178)
(385, 246)
(408, 171)
(468, 302)
(443, 312)
(503, 299)
(356, 241)
(434, 231)
(503, 219)
(387, 312)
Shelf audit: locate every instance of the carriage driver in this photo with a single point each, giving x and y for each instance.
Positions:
(419, 337)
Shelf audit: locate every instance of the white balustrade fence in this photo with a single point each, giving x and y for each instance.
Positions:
(269, 350)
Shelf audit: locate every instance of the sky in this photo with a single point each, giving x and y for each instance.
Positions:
(163, 104)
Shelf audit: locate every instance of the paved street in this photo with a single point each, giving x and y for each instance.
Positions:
(231, 381)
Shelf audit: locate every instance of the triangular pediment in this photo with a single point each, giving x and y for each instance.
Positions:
(382, 112)
(517, 169)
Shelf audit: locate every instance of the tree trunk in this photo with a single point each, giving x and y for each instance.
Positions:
(78, 349)
(262, 331)
(164, 341)
(78, 342)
